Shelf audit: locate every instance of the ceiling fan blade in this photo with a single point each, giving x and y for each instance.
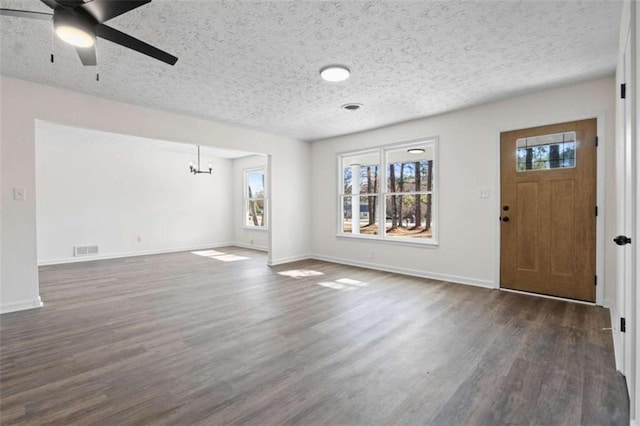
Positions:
(103, 10)
(87, 55)
(67, 4)
(70, 3)
(26, 14)
(126, 40)
(51, 3)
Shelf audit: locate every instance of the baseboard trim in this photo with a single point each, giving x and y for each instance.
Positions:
(290, 259)
(615, 332)
(250, 246)
(22, 305)
(132, 254)
(407, 271)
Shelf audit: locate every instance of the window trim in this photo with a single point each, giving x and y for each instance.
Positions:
(381, 150)
(246, 199)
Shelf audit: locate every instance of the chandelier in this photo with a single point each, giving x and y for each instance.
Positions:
(195, 171)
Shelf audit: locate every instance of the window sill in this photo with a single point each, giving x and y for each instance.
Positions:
(394, 241)
(255, 228)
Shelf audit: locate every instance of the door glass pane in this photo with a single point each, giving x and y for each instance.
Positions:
(546, 152)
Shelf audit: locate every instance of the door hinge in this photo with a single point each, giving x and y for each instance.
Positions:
(623, 91)
(623, 325)
(596, 141)
(595, 280)
(596, 210)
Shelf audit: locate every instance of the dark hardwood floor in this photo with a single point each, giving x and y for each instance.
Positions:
(187, 339)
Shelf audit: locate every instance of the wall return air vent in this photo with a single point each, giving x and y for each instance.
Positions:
(85, 250)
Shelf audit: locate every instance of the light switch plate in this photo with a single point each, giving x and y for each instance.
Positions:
(19, 194)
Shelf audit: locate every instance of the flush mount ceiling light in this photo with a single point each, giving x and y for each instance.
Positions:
(415, 150)
(335, 73)
(351, 107)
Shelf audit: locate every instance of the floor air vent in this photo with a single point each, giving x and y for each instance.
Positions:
(85, 250)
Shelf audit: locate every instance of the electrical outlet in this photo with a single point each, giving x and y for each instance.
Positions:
(373, 255)
(139, 238)
(484, 193)
(251, 241)
(19, 194)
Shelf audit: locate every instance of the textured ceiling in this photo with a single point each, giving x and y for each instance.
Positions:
(256, 63)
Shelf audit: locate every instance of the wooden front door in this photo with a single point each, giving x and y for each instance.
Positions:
(548, 210)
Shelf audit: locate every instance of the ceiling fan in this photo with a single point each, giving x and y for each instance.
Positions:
(79, 22)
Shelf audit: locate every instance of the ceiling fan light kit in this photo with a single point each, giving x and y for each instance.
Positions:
(80, 22)
(73, 31)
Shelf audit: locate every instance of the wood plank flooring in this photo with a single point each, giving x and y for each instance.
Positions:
(187, 339)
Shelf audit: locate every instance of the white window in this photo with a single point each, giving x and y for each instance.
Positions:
(255, 199)
(395, 186)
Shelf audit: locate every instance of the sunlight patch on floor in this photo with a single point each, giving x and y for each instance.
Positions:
(344, 284)
(336, 286)
(300, 273)
(208, 253)
(230, 258)
(218, 255)
(349, 281)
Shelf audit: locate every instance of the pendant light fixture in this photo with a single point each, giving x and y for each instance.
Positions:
(195, 171)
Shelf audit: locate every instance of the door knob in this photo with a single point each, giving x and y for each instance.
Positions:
(505, 208)
(505, 219)
(622, 240)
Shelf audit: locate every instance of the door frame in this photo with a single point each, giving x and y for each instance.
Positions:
(600, 116)
(625, 220)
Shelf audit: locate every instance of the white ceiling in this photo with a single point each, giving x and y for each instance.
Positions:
(256, 63)
(60, 132)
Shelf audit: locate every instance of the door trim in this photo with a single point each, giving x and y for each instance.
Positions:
(601, 124)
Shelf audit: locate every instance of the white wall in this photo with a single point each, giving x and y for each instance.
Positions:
(19, 279)
(468, 161)
(246, 237)
(107, 189)
(23, 102)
